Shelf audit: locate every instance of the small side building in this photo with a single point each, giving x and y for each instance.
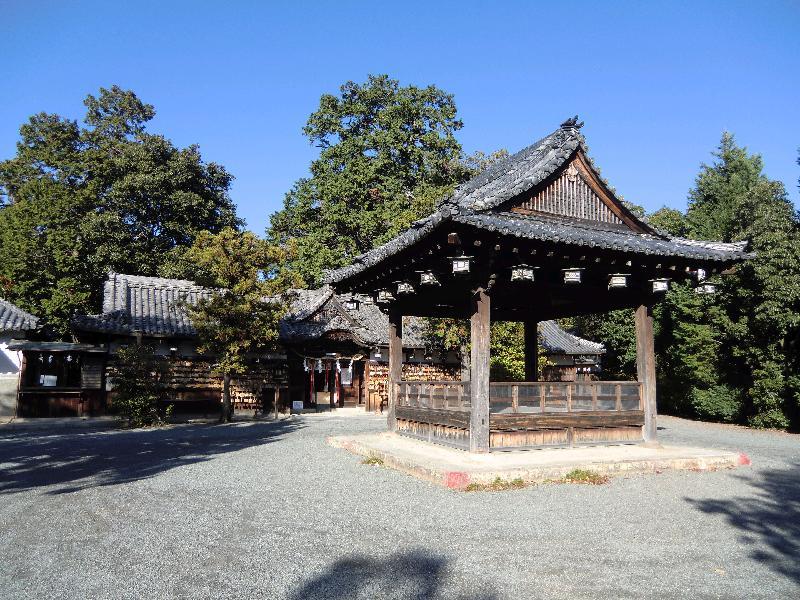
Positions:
(337, 351)
(151, 310)
(569, 357)
(15, 323)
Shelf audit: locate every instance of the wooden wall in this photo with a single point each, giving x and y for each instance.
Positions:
(193, 386)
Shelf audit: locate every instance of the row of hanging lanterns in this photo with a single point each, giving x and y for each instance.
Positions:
(526, 273)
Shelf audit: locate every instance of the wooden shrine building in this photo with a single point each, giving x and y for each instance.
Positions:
(537, 236)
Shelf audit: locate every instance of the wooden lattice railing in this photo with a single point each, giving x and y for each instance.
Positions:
(447, 395)
(525, 397)
(544, 397)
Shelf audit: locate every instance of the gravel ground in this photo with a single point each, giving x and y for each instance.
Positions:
(268, 510)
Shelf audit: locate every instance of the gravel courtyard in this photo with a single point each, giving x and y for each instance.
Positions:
(268, 510)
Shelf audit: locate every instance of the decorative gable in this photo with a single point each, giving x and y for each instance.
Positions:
(577, 192)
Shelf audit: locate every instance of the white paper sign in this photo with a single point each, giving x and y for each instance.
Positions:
(297, 405)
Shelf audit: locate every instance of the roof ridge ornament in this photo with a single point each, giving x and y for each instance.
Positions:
(572, 123)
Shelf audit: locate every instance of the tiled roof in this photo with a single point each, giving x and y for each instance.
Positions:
(599, 235)
(557, 341)
(479, 201)
(150, 305)
(521, 171)
(314, 313)
(14, 319)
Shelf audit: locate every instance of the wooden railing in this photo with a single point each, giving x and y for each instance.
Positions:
(543, 397)
(525, 414)
(448, 395)
(539, 397)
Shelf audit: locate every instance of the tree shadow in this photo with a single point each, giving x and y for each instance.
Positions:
(414, 574)
(73, 461)
(769, 520)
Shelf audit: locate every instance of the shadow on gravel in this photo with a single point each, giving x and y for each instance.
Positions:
(414, 574)
(769, 520)
(74, 461)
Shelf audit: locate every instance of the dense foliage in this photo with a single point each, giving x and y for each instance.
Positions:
(242, 317)
(138, 378)
(80, 200)
(732, 356)
(506, 346)
(388, 153)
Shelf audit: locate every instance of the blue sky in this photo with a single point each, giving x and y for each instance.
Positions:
(656, 84)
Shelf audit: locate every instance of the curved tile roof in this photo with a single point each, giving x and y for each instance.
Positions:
(314, 313)
(15, 320)
(478, 202)
(150, 305)
(558, 341)
(571, 231)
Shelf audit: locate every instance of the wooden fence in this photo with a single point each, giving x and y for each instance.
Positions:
(524, 414)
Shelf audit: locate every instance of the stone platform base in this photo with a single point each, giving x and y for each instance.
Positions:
(456, 469)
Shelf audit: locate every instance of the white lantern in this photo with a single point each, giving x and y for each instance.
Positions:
(403, 287)
(428, 278)
(572, 276)
(706, 288)
(461, 264)
(700, 274)
(660, 285)
(617, 281)
(385, 296)
(523, 273)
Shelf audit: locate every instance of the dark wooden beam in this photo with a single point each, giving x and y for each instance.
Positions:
(479, 372)
(395, 363)
(437, 416)
(646, 369)
(511, 421)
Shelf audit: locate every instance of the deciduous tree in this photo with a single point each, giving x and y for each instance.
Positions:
(241, 319)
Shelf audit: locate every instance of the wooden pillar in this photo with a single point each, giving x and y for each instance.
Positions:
(531, 351)
(395, 364)
(646, 369)
(479, 367)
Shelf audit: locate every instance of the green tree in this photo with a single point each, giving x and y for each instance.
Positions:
(670, 220)
(79, 200)
(388, 154)
(138, 377)
(506, 346)
(734, 355)
(242, 318)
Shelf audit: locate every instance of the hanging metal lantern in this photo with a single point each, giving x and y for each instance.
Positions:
(660, 285)
(352, 303)
(403, 287)
(523, 273)
(428, 278)
(572, 276)
(461, 264)
(706, 288)
(618, 281)
(385, 296)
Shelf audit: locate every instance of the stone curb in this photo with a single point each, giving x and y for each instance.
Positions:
(459, 480)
